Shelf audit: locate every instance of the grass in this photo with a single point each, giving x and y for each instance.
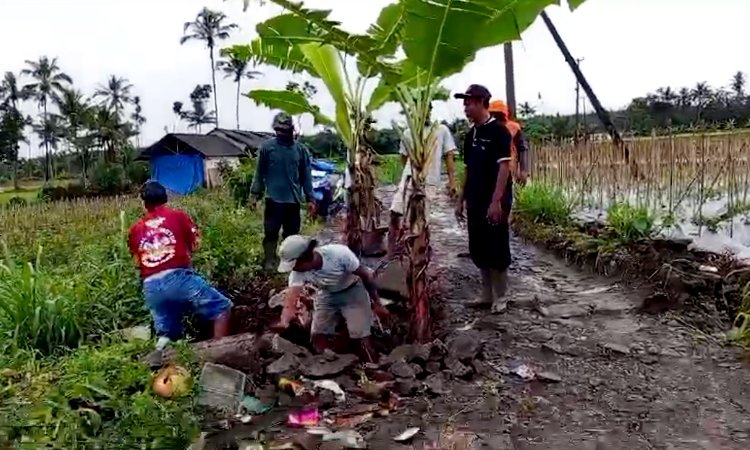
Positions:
(67, 285)
(27, 195)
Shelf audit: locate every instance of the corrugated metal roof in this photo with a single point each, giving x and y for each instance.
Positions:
(250, 139)
(207, 145)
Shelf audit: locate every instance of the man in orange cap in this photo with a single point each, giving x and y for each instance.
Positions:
(519, 150)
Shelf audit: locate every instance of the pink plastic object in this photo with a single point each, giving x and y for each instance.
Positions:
(304, 418)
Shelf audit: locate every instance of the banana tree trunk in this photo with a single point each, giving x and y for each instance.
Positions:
(417, 250)
(364, 207)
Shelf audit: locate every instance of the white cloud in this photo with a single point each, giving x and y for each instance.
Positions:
(630, 47)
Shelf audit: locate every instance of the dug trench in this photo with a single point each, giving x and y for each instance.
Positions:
(573, 364)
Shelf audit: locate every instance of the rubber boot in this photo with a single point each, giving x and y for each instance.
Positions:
(486, 298)
(499, 279)
(269, 256)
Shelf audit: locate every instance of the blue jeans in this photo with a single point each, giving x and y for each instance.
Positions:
(171, 295)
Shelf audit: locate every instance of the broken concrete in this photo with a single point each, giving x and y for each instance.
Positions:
(403, 370)
(281, 346)
(285, 365)
(392, 280)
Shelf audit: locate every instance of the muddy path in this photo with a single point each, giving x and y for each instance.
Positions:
(615, 379)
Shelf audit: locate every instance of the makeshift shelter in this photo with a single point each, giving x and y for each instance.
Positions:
(184, 162)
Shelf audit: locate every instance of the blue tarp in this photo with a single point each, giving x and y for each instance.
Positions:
(181, 174)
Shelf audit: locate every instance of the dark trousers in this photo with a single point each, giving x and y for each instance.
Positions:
(278, 217)
(489, 244)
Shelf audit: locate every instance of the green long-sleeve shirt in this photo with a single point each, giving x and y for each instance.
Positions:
(282, 172)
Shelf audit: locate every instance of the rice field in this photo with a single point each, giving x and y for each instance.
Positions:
(694, 186)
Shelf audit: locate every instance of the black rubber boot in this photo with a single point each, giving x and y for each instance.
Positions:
(499, 291)
(270, 260)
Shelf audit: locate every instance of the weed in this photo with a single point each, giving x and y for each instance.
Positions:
(627, 223)
(542, 203)
(389, 169)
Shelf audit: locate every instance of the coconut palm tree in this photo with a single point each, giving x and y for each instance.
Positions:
(209, 26)
(137, 118)
(115, 94)
(47, 82)
(525, 110)
(75, 111)
(236, 67)
(49, 132)
(11, 94)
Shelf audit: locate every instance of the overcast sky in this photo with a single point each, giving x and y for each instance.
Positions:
(629, 47)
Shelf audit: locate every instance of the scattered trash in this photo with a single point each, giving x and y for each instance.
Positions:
(246, 419)
(353, 421)
(304, 418)
(250, 445)
(347, 438)
(222, 388)
(292, 386)
(708, 269)
(318, 431)
(137, 333)
(596, 290)
(468, 326)
(333, 387)
(172, 381)
(407, 435)
(524, 372)
(254, 406)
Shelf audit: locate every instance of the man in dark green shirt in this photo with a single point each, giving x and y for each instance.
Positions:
(283, 175)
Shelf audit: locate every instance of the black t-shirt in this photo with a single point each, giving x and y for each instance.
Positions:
(485, 146)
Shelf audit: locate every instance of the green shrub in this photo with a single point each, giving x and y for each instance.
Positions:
(542, 203)
(17, 202)
(388, 169)
(240, 180)
(108, 179)
(137, 173)
(628, 223)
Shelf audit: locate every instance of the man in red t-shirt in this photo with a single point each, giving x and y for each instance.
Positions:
(162, 242)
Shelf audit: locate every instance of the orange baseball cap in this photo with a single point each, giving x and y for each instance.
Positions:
(499, 106)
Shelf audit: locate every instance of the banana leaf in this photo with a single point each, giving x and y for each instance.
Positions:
(294, 103)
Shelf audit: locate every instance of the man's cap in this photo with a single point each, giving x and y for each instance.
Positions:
(153, 189)
(282, 121)
(499, 106)
(291, 249)
(475, 91)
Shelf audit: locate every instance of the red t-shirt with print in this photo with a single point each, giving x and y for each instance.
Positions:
(163, 239)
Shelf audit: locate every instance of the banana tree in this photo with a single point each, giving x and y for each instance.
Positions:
(439, 38)
(304, 40)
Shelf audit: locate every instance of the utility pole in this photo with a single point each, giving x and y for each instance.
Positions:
(578, 103)
(600, 111)
(510, 79)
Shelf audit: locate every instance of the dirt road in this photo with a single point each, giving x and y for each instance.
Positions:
(614, 379)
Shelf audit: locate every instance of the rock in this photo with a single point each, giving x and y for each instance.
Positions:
(548, 377)
(564, 311)
(435, 384)
(670, 353)
(281, 346)
(438, 350)
(657, 303)
(406, 388)
(464, 346)
(498, 442)
(617, 348)
(327, 365)
(539, 335)
(402, 370)
(551, 347)
(286, 364)
(409, 353)
(457, 368)
(326, 399)
(433, 367)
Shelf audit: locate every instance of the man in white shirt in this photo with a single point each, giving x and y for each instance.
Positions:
(444, 147)
(346, 289)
